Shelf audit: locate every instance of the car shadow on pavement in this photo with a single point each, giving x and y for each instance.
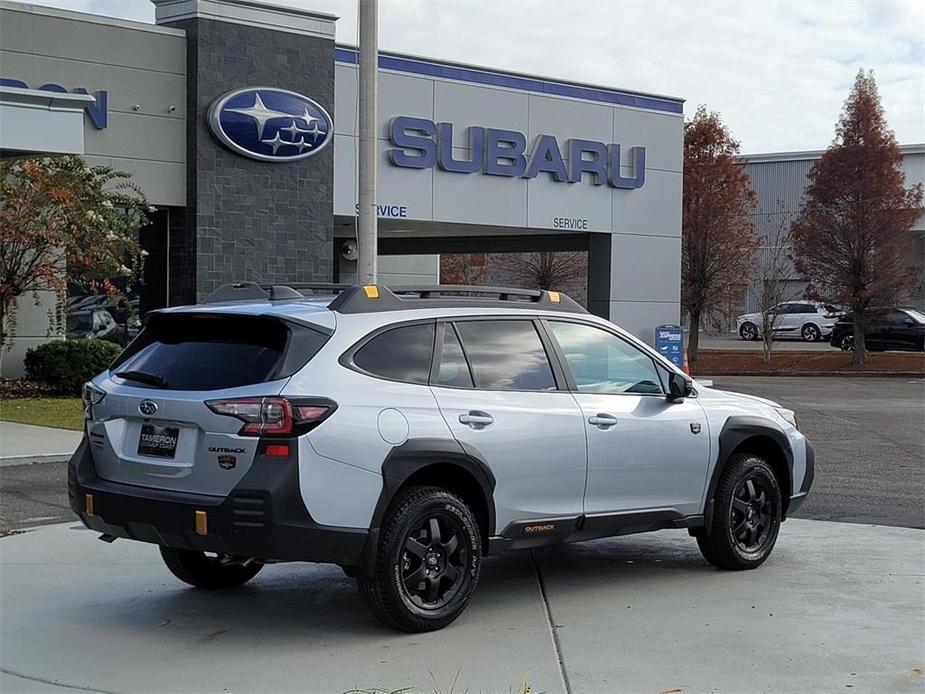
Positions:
(285, 604)
(313, 605)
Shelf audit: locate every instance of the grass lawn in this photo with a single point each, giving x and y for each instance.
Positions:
(63, 413)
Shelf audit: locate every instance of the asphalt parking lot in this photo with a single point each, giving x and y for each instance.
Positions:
(869, 436)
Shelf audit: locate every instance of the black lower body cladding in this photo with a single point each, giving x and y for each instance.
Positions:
(263, 517)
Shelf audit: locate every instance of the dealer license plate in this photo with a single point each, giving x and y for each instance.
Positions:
(158, 441)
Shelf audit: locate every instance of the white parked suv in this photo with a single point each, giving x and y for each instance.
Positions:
(405, 434)
(810, 321)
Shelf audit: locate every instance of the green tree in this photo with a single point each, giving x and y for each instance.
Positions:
(65, 224)
(852, 238)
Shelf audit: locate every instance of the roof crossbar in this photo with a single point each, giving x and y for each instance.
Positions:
(402, 297)
(250, 291)
(351, 298)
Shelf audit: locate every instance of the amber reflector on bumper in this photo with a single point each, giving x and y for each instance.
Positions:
(202, 523)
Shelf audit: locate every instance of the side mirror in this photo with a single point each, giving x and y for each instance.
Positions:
(679, 387)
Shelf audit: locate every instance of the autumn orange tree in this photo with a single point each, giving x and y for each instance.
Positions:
(66, 224)
(717, 235)
(852, 237)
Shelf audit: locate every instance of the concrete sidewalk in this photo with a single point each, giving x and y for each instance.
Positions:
(25, 443)
(837, 606)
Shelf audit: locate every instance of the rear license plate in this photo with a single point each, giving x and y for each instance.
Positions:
(158, 441)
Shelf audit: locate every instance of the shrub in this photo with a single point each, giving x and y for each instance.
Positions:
(66, 365)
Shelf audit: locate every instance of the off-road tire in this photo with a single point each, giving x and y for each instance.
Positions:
(385, 590)
(204, 571)
(721, 547)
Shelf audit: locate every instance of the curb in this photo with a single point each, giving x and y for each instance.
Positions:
(12, 460)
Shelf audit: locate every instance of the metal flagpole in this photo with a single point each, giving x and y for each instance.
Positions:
(367, 233)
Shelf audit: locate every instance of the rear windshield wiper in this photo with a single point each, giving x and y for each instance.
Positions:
(143, 377)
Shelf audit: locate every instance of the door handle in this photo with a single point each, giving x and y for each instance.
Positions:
(602, 420)
(476, 419)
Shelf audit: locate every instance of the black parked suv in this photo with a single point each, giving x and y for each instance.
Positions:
(887, 328)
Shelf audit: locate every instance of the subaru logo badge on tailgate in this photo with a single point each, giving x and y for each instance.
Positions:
(147, 407)
(270, 124)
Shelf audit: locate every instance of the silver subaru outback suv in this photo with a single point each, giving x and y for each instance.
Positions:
(406, 433)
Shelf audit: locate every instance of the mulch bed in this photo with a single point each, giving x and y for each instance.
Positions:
(732, 362)
(23, 388)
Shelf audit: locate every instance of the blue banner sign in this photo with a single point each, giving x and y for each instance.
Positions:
(669, 341)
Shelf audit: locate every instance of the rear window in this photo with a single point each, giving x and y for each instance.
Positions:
(399, 354)
(213, 351)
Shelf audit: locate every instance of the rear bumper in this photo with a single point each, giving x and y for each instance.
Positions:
(263, 516)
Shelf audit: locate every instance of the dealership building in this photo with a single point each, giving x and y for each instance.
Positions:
(238, 119)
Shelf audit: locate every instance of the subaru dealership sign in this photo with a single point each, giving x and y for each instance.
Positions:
(495, 152)
(270, 124)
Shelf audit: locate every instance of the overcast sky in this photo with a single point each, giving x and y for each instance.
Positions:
(778, 72)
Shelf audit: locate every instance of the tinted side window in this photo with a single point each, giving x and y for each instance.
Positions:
(601, 362)
(453, 370)
(400, 354)
(506, 355)
(806, 308)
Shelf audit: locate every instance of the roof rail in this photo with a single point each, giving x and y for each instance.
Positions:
(376, 298)
(352, 298)
(250, 291)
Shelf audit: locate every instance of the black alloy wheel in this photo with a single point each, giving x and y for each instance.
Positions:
(847, 343)
(427, 562)
(433, 561)
(749, 332)
(811, 332)
(750, 519)
(744, 516)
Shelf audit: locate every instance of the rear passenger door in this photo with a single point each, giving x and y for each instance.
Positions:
(499, 393)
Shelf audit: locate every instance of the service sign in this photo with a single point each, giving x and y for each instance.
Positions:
(268, 124)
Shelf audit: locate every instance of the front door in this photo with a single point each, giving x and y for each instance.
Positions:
(498, 394)
(644, 452)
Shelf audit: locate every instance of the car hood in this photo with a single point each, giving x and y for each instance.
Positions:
(717, 394)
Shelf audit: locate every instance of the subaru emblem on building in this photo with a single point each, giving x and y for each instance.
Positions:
(147, 407)
(270, 124)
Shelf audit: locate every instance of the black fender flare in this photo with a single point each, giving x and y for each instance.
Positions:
(736, 431)
(403, 461)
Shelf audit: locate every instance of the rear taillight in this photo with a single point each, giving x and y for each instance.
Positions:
(90, 396)
(272, 416)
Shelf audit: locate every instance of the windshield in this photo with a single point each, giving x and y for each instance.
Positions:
(917, 316)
